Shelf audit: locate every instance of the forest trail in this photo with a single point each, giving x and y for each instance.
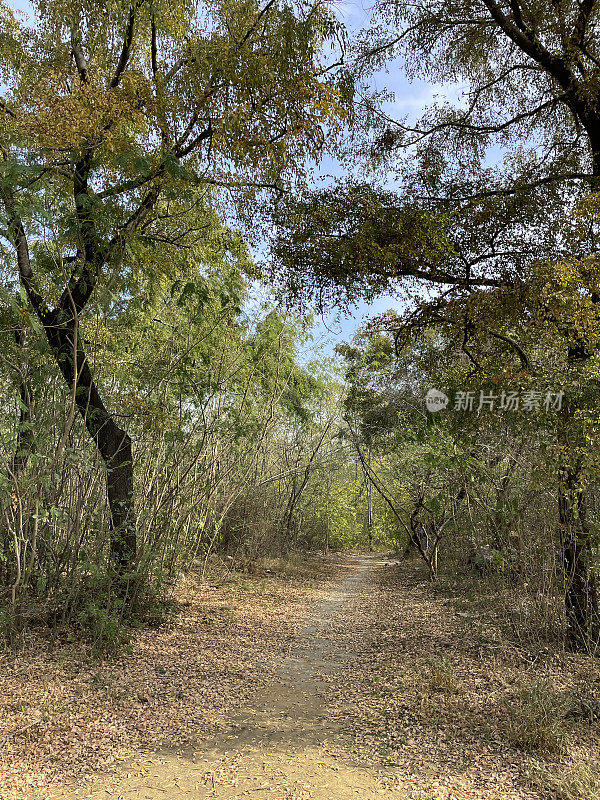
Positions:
(287, 743)
(390, 687)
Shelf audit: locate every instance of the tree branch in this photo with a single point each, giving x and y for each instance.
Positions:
(126, 49)
(19, 238)
(4, 107)
(526, 41)
(526, 363)
(79, 58)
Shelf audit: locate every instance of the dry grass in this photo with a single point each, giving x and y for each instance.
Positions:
(443, 677)
(577, 780)
(538, 718)
(295, 566)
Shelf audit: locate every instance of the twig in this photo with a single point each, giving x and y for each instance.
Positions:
(19, 731)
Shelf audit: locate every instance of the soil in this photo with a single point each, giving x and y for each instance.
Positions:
(282, 745)
(389, 687)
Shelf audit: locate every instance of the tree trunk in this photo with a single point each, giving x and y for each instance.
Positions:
(369, 508)
(25, 436)
(581, 591)
(114, 444)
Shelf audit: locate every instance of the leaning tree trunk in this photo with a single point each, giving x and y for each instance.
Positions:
(60, 326)
(114, 444)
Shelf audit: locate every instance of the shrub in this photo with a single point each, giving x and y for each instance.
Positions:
(103, 627)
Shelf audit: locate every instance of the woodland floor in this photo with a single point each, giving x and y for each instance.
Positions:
(344, 678)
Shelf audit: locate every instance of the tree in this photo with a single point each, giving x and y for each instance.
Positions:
(109, 115)
(540, 326)
(495, 178)
(417, 469)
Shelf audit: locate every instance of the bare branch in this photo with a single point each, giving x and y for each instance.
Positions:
(516, 347)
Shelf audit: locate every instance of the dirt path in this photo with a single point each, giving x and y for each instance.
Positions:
(391, 687)
(285, 745)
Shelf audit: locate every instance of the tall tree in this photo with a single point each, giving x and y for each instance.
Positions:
(111, 111)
